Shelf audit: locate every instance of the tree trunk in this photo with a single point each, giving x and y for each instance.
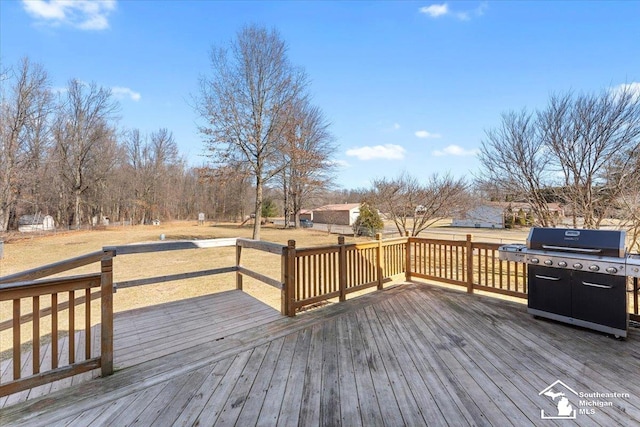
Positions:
(258, 209)
(77, 209)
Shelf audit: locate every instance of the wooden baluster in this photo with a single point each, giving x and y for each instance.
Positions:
(36, 335)
(87, 324)
(342, 269)
(469, 247)
(54, 331)
(72, 328)
(17, 344)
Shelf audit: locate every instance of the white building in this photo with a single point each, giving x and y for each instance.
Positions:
(37, 222)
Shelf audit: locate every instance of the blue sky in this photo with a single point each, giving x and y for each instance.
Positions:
(407, 86)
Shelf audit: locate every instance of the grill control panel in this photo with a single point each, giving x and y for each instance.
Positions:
(629, 266)
(603, 265)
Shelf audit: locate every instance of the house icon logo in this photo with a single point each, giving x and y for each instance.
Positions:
(559, 394)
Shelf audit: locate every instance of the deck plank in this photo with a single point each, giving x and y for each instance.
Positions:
(389, 407)
(200, 396)
(410, 355)
(215, 404)
(367, 398)
(349, 412)
(409, 407)
(330, 389)
(273, 400)
(289, 413)
(310, 406)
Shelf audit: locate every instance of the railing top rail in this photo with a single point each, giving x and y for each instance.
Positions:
(438, 241)
(486, 245)
(317, 250)
(312, 250)
(56, 267)
(274, 248)
(42, 287)
(395, 240)
(175, 245)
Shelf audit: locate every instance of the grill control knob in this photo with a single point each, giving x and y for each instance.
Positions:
(612, 270)
(548, 262)
(562, 264)
(594, 268)
(534, 260)
(577, 266)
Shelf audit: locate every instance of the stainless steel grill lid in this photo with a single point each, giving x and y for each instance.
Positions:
(596, 243)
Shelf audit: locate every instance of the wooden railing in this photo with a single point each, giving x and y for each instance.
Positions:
(322, 273)
(24, 290)
(68, 298)
(474, 265)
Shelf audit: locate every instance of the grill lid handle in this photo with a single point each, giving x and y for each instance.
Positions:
(566, 248)
(597, 285)
(539, 276)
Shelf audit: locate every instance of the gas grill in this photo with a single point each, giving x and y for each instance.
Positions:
(577, 276)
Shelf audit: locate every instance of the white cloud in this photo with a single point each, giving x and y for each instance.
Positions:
(425, 134)
(81, 14)
(455, 150)
(338, 163)
(396, 126)
(438, 10)
(125, 92)
(387, 151)
(632, 88)
(435, 10)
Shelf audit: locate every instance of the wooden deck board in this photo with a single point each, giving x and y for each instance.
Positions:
(349, 414)
(410, 355)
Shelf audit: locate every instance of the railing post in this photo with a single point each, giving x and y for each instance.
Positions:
(407, 267)
(380, 261)
(238, 274)
(342, 269)
(106, 296)
(469, 253)
(288, 269)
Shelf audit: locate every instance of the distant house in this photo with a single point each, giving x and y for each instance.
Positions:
(482, 216)
(37, 222)
(493, 214)
(343, 214)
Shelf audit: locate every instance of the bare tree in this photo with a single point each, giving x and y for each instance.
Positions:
(157, 171)
(587, 134)
(22, 124)
(83, 135)
(414, 206)
(516, 160)
(566, 152)
(244, 102)
(307, 152)
(628, 202)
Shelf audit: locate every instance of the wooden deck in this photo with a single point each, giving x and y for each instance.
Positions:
(409, 355)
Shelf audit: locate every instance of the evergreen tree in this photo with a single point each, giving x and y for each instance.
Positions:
(368, 222)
